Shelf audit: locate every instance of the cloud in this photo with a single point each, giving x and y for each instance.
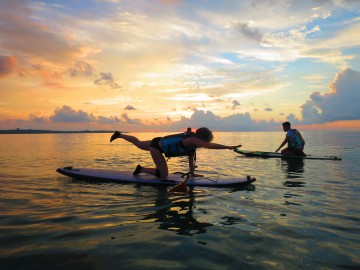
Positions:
(38, 119)
(42, 34)
(128, 120)
(23, 32)
(341, 103)
(234, 122)
(81, 68)
(7, 65)
(107, 120)
(107, 79)
(68, 115)
(235, 104)
(249, 32)
(292, 119)
(56, 40)
(130, 108)
(268, 109)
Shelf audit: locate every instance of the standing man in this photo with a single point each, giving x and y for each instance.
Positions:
(294, 140)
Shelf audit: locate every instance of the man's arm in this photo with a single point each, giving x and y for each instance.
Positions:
(282, 144)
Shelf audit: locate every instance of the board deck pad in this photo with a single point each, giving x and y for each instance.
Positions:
(279, 155)
(146, 179)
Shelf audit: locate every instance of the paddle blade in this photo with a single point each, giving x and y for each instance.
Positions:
(180, 188)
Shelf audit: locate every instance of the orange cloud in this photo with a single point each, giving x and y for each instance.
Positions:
(7, 65)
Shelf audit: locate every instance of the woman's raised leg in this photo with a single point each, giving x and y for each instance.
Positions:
(143, 145)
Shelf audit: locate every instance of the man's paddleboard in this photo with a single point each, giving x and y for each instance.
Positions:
(173, 179)
(279, 155)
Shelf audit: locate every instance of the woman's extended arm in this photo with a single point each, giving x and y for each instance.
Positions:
(195, 142)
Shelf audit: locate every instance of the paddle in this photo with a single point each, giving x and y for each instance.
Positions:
(181, 187)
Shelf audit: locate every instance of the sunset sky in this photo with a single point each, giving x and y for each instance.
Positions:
(147, 65)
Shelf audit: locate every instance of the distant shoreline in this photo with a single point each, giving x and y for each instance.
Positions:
(40, 131)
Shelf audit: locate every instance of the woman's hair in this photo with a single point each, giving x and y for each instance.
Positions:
(204, 134)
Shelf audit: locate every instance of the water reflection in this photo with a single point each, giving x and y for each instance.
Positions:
(176, 214)
(293, 170)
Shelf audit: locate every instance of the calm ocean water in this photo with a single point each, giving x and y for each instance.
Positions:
(297, 215)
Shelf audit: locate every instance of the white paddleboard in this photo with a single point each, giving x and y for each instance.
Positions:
(146, 179)
(279, 155)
